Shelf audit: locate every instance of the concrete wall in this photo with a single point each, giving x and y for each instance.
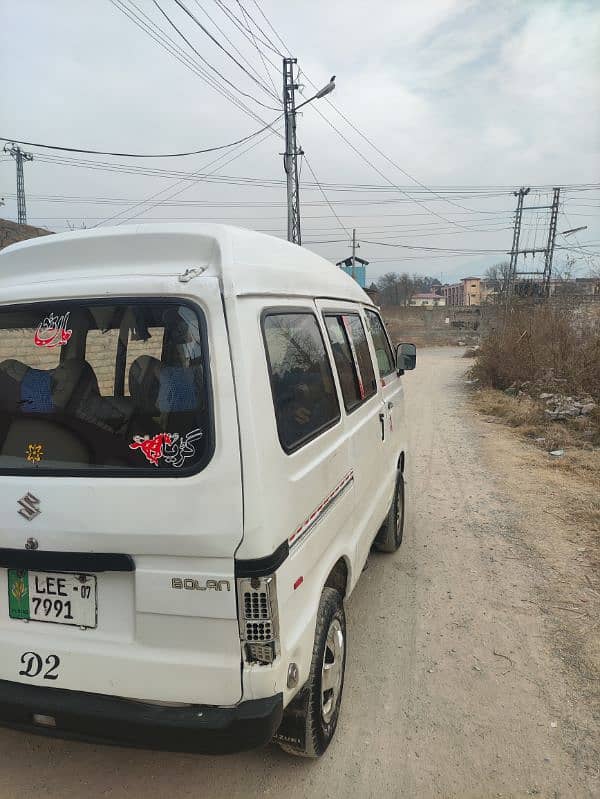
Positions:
(428, 326)
(438, 326)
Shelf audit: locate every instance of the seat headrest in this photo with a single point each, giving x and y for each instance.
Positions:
(144, 383)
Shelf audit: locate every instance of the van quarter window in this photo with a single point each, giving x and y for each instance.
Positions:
(383, 350)
(304, 393)
(104, 388)
(344, 362)
(349, 341)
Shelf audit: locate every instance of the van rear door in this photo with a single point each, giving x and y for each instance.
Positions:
(120, 497)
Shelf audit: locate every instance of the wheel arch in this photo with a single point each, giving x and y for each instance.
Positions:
(339, 576)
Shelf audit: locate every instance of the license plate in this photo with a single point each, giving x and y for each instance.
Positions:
(52, 597)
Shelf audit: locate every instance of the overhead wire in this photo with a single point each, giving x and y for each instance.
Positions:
(242, 28)
(258, 50)
(205, 30)
(227, 38)
(168, 44)
(326, 198)
(179, 191)
(210, 66)
(140, 155)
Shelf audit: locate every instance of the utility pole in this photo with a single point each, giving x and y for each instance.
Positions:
(509, 282)
(353, 253)
(529, 277)
(290, 158)
(292, 151)
(549, 254)
(19, 155)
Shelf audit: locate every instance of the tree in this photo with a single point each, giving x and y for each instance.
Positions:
(495, 277)
(399, 289)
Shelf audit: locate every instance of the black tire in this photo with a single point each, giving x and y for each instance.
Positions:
(389, 537)
(309, 722)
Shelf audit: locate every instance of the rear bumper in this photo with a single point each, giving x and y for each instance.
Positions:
(110, 720)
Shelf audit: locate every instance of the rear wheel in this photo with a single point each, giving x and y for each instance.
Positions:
(389, 537)
(310, 720)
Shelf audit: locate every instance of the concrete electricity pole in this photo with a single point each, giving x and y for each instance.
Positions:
(19, 156)
(354, 245)
(290, 157)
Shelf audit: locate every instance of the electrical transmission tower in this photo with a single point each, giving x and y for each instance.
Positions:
(19, 156)
(531, 283)
(290, 157)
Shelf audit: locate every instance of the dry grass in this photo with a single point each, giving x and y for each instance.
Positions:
(541, 344)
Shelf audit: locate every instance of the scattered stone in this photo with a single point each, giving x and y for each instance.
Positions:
(546, 396)
(511, 391)
(540, 440)
(587, 408)
(557, 453)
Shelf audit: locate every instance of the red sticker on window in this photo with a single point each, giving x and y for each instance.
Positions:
(152, 448)
(53, 331)
(173, 448)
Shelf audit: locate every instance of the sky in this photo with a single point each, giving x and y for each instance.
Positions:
(447, 107)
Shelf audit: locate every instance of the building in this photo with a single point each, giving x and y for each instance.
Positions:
(358, 272)
(468, 291)
(427, 300)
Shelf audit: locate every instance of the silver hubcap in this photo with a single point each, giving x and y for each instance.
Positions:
(332, 670)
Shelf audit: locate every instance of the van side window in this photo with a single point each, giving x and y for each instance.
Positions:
(342, 355)
(383, 350)
(352, 358)
(304, 393)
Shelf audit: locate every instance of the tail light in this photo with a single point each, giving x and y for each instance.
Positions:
(259, 619)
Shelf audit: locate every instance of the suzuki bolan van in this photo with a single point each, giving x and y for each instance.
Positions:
(201, 438)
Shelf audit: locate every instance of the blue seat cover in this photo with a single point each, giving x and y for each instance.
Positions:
(36, 392)
(177, 390)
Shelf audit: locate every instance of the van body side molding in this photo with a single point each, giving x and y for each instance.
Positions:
(66, 561)
(259, 567)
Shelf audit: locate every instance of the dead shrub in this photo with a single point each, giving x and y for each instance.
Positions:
(540, 344)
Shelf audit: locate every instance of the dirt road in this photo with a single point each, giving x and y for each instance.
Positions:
(455, 686)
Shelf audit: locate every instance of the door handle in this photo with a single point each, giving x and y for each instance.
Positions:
(382, 420)
(390, 405)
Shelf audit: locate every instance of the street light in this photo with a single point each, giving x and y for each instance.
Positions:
(321, 93)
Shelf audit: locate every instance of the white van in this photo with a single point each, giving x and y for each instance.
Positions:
(200, 439)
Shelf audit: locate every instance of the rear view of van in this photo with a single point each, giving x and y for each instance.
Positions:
(200, 439)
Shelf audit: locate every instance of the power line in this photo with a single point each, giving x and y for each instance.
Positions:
(341, 224)
(174, 194)
(192, 16)
(243, 30)
(209, 65)
(168, 44)
(268, 21)
(258, 50)
(142, 155)
(226, 37)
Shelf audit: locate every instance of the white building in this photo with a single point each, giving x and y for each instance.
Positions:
(427, 300)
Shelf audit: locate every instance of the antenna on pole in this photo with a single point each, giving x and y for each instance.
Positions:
(19, 155)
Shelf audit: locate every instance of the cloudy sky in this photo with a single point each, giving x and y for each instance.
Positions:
(464, 101)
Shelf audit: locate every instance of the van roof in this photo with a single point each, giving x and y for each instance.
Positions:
(247, 262)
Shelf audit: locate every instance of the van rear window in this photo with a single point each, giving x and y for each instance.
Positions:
(119, 388)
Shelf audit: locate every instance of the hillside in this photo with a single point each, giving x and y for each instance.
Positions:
(11, 232)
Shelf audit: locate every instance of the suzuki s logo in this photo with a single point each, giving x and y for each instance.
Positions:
(191, 584)
(30, 508)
